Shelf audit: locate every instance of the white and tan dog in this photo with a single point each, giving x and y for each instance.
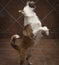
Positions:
(31, 18)
(32, 25)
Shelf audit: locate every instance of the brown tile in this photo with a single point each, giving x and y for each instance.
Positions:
(53, 2)
(42, 8)
(57, 8)
(1, 9)
(13, 8)
(5, 21)
(4, 2)
(15, 28)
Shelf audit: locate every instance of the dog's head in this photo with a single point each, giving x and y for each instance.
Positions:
(31, 4)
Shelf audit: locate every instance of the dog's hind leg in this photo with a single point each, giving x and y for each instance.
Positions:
(29, 54)
(22, 54)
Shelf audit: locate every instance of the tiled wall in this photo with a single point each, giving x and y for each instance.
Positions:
(11, 21)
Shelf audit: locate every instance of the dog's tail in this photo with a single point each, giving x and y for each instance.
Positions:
(13, 40)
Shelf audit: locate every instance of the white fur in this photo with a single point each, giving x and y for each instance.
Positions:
(16, 36)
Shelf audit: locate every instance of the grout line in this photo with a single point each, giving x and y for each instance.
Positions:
(4, 6)
(51, 5)
(47, 15)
